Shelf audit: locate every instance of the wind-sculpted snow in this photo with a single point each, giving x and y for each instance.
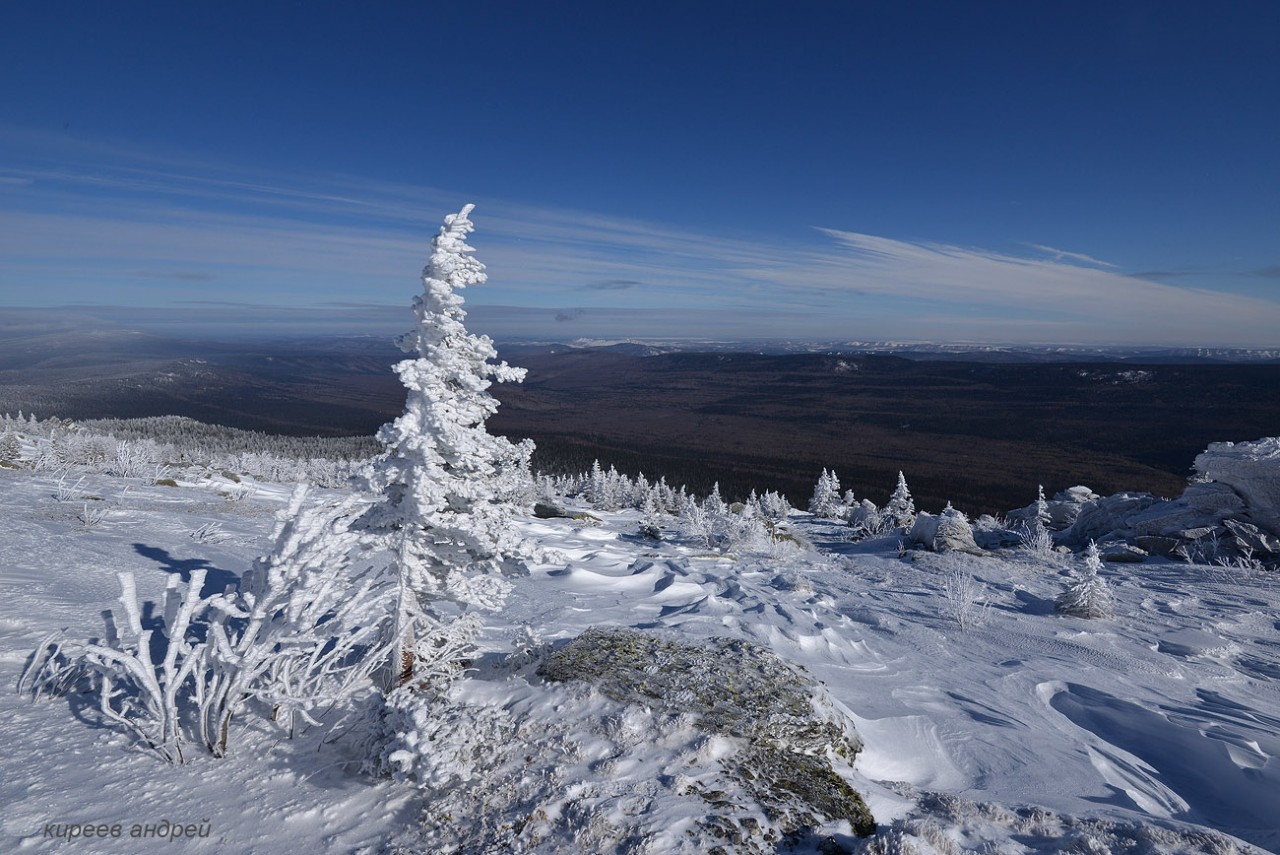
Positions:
(1027, 731)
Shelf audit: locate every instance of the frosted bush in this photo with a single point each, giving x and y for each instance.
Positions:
(966, 598)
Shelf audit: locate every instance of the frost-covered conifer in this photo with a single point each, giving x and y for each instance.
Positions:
(775, 506)
(1042, 508)
(443, 477)
(901, 509)
(10, 448)
(1088, 595)
(825, 503)
(713, 504)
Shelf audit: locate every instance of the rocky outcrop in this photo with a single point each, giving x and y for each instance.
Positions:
(1252, 471)
(1230, 510)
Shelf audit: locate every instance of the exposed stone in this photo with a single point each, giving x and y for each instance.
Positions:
(549, 511)
(1249, 537)
(1122, 553)
(1154, 545)
(1164, 518)
(785, 721)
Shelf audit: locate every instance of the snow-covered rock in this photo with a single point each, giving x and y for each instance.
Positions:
(1108, 517)
(948, 532)
(923, 530)
(1123, 553)
(954, 534)
(635, 743)
(1251, 469)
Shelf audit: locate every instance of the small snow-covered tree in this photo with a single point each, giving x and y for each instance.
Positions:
(825, 502)
(900, 511)
(1041, 508)
(443, 517)
(10, 448)
(1088, 595)
(775, 506)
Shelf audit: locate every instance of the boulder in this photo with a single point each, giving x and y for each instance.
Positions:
(549, 511)
(1166, 518)
(1250, 538)
(1153, 545)
(954, 534)
(632, 742)
(1107, 518)
(1213, 499)
(1252, 470)
(1122, 553)
(923, 530)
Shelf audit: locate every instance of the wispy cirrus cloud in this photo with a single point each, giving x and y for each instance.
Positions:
(1064, 255)
(111, 225)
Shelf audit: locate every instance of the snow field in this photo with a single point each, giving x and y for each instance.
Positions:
(1155, 728)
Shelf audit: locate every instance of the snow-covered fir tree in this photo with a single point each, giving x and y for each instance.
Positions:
(826, 503)
(444, 478)
(900, 512)
(1088, 595)
(1042, 514)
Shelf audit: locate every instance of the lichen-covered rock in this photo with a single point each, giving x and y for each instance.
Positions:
(788, 727)
(634, 743)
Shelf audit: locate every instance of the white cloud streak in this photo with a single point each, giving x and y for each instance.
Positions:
(102, 225)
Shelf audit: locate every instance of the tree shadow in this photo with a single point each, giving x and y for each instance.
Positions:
(216, 580)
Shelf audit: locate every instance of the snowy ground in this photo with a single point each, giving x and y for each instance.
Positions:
(1019, 731)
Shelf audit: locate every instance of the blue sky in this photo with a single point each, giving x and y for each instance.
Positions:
(988, 171)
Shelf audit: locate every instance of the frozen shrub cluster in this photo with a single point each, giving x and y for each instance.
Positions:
(157, 448)
(300, 631)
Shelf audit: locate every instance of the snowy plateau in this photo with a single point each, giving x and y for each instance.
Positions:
(988, 721)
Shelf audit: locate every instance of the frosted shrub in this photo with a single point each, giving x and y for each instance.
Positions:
(1036, 539)
(695, 524)
(299, 633)
(64, 492)
(775, 506)
(137, 691)
(966, 598)
(92, 515)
